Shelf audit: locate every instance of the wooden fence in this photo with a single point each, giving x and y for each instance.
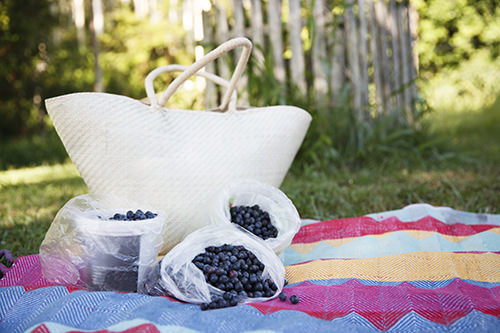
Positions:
(367, 46)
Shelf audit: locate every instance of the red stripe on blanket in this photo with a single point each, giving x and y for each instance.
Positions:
(362, 226)
(144, 328)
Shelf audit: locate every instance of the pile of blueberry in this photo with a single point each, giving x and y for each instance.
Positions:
(236, 271)
(131, 216)
(255, 220)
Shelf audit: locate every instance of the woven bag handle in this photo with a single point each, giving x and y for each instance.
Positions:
(209, 57)
(180, 68)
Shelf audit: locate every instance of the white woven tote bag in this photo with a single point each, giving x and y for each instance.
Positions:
(177, 159)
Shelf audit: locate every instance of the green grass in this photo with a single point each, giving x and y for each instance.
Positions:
(469, 181)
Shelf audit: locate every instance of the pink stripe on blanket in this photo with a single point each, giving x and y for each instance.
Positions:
(362, 226)
(26, 271)
(385, 305)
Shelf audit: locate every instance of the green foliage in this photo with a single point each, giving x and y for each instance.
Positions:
(451, 31)
(470, 86)
(131, 48)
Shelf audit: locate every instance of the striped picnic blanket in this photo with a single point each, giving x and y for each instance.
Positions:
(421, 268)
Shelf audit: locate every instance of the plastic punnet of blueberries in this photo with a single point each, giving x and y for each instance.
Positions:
(87, 246)
(217, 267)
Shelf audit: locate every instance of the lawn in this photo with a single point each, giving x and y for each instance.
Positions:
(466, 177)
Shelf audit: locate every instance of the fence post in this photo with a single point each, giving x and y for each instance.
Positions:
(353, 61)
(405, 61)
(381, 16)
(337, 77)
(412, 15)
(210, 91)
(395, 54)
(363, 55)
(377, 75)
(297, 64)
(222, 35)
(239, 31)
(276, 38)
(319, 54)
(257, 25)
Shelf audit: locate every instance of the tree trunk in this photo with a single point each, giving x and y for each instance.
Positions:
(96, 25)
(377, 75)
(79, 19)
(276, 38)
(141, 8)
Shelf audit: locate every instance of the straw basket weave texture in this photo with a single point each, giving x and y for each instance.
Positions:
(176, 159)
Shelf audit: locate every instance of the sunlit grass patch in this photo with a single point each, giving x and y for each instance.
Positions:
(38, 174)
(29, 200)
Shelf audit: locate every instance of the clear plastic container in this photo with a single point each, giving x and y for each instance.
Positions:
(83, 247)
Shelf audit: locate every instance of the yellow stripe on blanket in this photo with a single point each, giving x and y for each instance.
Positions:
(303, 248)
(415, 266)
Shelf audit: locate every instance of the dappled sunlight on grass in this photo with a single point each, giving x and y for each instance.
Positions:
(38, 174)
(29, 200)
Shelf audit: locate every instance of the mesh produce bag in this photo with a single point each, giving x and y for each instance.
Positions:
(178, 276)
(84, 248)
(176, 159)
(283, 214)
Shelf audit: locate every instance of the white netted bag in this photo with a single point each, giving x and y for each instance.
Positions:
(176, 275)
(176, 159)
(84, 247)
(281, 210)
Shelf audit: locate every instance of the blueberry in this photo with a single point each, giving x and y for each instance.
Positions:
(117, 216)
(149, 215)
(213, 278)
(212, 305)
(130, 215)
(204, 306)
(140, 215)
(294, 299)
(282, 296)
(257, 294)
